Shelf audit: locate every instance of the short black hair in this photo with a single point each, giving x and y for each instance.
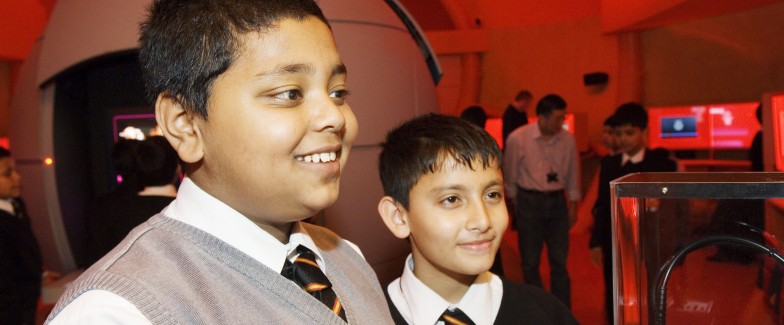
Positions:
(548, 103)
(523, 94)
(187, 44)
(157, 161)
(4, 153)
(611, 121)
(476, 115)
(422, 145)
(633, 114)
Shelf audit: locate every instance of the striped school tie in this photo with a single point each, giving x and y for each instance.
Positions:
(306, 273)
(455, 317)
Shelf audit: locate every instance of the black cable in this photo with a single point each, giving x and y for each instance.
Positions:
(663, 276)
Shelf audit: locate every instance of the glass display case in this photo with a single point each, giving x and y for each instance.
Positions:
(697, 248)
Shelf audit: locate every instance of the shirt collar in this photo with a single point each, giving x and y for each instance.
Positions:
(636, 159)
(6, 206)
(199, 209)
(418, 304)
(163, 190)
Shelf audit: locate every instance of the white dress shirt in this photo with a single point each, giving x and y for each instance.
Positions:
(201, 210)
(529, 157)
(6, 206)
(418, 304)
(636, 159)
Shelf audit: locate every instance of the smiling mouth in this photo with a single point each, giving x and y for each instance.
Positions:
(323, 157)
(480, 245)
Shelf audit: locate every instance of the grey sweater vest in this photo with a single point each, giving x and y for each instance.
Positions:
(177, 274)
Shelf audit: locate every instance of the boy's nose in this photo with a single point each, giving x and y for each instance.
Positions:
(329, 116)
(479, 219)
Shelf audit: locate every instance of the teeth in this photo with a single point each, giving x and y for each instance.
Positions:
(319, 157)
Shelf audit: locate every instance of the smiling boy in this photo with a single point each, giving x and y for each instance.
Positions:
(443, 191)
(252, 96)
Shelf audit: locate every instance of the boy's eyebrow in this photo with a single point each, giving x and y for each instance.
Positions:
(339, 69)
(437, 189)
(285, 69)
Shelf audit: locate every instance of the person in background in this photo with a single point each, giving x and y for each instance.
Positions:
(443, 190)
(149, 169)
(253, 97)
(609, 140)
(742, 218)
(516, 114)
(542, 179)
(20, 257)
(476, 115)
(755, 151)
(631, 131)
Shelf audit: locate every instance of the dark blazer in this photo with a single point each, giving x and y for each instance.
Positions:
(511, 120)
(656, 160)
(521, 304)
(20, 267)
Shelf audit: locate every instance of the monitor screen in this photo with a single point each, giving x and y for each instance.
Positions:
(679, 127)
(733, 126)
(134, 126)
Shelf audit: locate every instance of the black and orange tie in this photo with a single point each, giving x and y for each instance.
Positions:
(306, 273)
(455, 317)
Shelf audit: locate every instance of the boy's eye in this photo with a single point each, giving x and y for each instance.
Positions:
(495, 196)
(452, 200)
(339, 96)
(293, 94)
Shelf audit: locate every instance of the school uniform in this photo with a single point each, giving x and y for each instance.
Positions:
(20, 265)
(613, 167)
(489, 300)
(199, 261)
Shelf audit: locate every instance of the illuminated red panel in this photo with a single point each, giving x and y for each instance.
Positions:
(5, 143)
(733, 126)
(777, 108)
(713, 126)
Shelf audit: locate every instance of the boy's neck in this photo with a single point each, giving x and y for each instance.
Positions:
(280, 232)
(634, 151)
(450, 287)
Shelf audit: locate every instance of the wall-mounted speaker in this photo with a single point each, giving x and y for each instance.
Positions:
(595, 78)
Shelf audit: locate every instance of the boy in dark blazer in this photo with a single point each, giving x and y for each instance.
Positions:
(631, 132)
(445, 194)
(20, 257)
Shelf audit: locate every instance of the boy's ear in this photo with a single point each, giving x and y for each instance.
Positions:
(395, 217)
(179, 127)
